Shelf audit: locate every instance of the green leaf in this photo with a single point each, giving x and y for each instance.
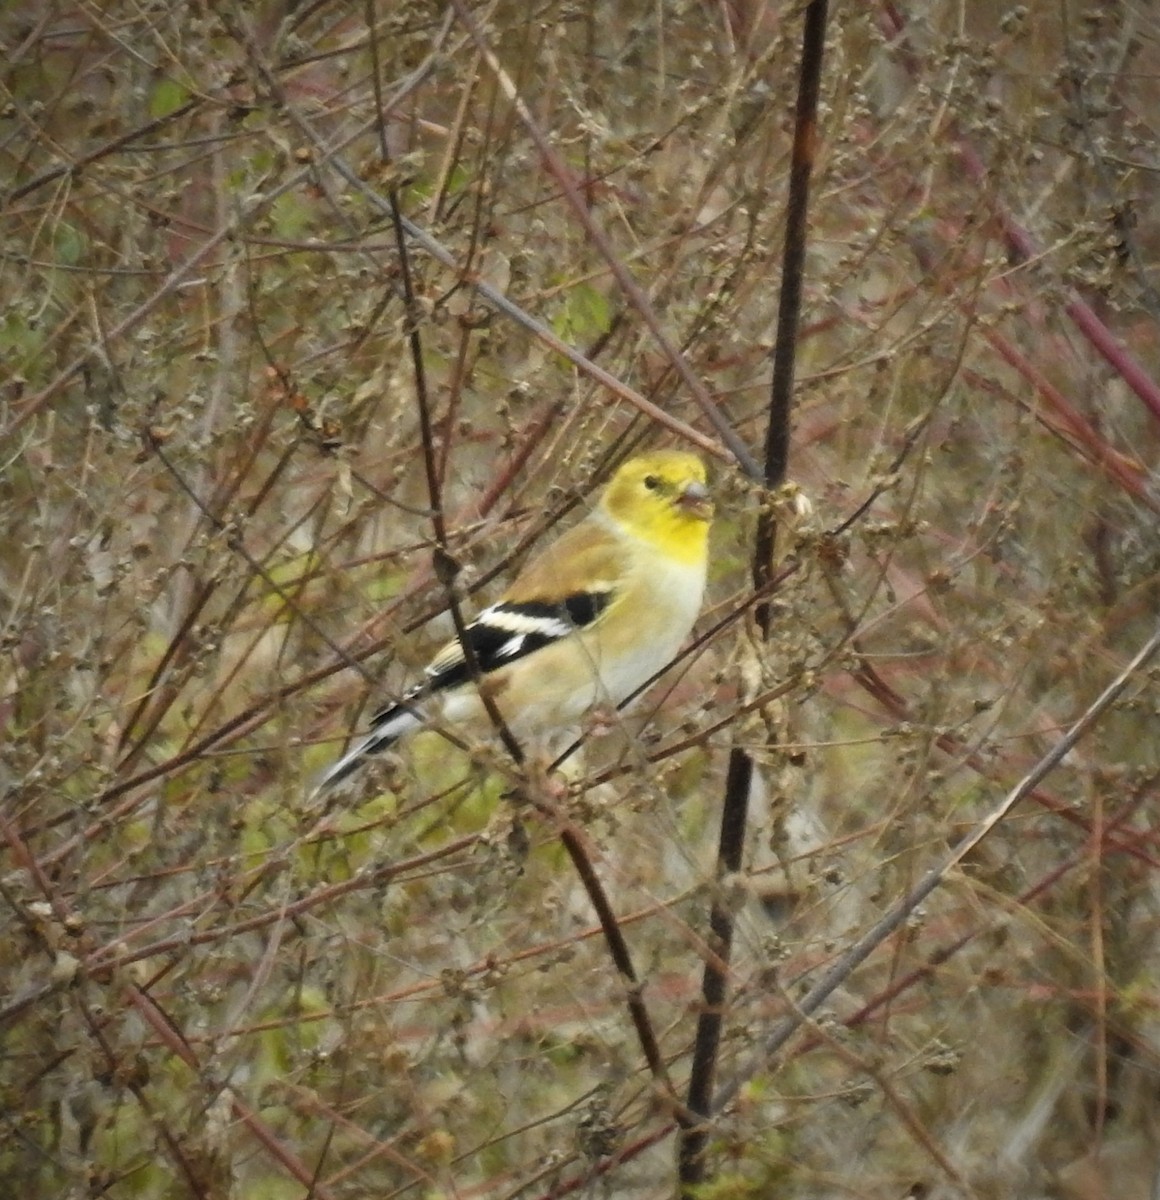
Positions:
(289, 216)
(586, 315)
(69, 243)
(167, 97)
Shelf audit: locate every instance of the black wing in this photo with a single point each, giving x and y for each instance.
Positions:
(500, 635)
(503, 634)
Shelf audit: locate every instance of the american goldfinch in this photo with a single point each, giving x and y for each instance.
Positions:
(586, 622)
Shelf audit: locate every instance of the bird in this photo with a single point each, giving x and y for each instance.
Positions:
(586, 623)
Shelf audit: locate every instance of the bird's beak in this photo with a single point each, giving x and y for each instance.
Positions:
(695, 500)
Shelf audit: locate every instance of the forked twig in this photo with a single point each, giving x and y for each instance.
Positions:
(897, 916)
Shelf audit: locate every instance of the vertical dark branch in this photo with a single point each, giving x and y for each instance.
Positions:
(446, 568)
(789, 304)
(414, 342)
(713, 984)
(735, 807)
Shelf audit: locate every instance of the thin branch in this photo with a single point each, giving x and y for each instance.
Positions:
(600, 240)
(1023, 247)
(897, 916)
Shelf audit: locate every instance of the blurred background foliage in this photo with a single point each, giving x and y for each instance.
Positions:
(216, 556)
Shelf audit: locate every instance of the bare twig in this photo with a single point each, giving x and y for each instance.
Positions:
(889, 923)
(599, 239)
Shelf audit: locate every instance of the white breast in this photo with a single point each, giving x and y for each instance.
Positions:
(671, 596)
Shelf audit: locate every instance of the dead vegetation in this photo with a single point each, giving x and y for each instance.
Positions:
(216, 551)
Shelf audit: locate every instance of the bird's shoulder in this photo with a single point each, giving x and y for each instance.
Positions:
(589, 557)
(565, 588)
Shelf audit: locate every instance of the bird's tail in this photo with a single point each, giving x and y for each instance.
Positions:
(386, 729)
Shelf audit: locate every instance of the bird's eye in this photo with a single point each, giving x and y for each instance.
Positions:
(652, 482)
